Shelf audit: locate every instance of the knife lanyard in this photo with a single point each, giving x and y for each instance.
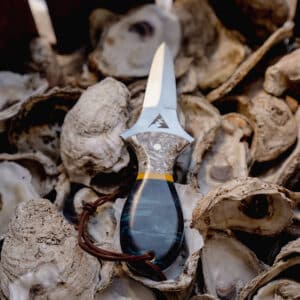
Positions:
(87, 244)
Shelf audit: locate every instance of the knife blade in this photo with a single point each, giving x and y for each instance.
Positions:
(152, 218)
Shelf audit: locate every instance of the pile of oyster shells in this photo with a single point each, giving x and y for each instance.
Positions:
(239, 182)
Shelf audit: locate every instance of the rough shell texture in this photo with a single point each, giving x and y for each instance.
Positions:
(126, 289)
(15, 89)
(181, 274)
(39, 235)
(37, 126)
(270, 275)
(201, 120)
(41, 168)
(289, 250)
(266, 16)
(15, 187)
(279, 289)
(214, 50)
(246, 204)
(221, 253)
(248, 64)
(285, 171)
(275, 128)
(127, 47)
(90, 142)
(228, 157)
(283, 75)
(45, 61)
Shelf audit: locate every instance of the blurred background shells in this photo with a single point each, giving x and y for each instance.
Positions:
(80, 84)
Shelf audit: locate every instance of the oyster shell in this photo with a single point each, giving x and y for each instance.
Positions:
(285, 172)
(228, 156)
(39, 235)
(248, 64)
(15, 89)
(275, 128)
(44, 61)
(283, 75)
(227, 265)
(126, 289)
(15, 187)
(37, 126)
(214, 51)
(273, 282)
(279, 289)
(180, 275)
(43, 171)
(90, 141)
(201, 120)
(247, 204)
(126, 48)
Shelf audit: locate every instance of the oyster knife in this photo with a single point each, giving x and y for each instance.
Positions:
(152, 218)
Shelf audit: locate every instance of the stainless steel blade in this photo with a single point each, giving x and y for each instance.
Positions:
(161, 85)
(159, 110)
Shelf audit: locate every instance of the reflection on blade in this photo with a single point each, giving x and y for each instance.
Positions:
(159, 109)
(161, 87)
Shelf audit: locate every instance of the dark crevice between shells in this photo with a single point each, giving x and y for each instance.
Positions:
(256, 206)
(1, 246)
(261, 168)
(266, 248)
(69, 209)
(124, 177)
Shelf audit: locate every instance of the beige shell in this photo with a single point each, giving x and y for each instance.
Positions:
(259, 11)
(246, 204)
(90, 141)
(261, 282)
(201, 120)
(181, 274)
(228, 156)
(283, 75)
(285, 171)
(127, 47)
(221, 253)
(44, 60)
(289, 250)
(251, 61)
(37, 126)
(42, 169)
(216, 52)
(15, 89)
(126, 289)
(275, 128)
(279, 289)
(15, 187)
(39, 235)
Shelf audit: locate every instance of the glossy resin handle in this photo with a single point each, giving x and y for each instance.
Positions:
(152, 218)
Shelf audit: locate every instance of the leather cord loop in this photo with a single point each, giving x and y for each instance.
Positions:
(87, 244)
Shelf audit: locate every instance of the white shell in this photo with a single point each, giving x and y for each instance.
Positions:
(123, 288)
(127, 47)
(227, 265)
(228, 156)
(39, 235)
(15, 187)
(15, 89)
(42, 169)
(90, 138)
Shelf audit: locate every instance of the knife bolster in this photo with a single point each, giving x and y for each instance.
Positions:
(156, 153)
